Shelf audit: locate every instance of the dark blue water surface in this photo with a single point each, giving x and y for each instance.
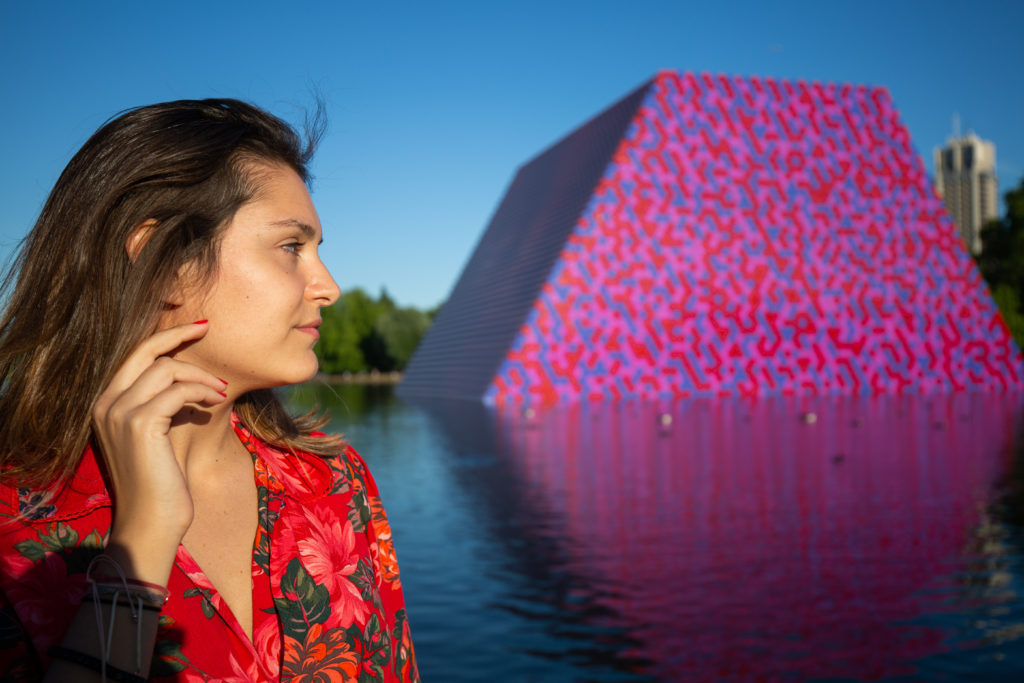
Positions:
(789, 539)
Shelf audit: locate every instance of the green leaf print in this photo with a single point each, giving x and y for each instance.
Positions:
(340, 486)
(305, 602)
(267, 517)
(93, 540)
(370, 673)
(60, 537)
(168, 659)
(372, 628)
(341, 476)
(382, 655)
(359, 512)
(261, 553)
(402, 652)
(364, 580)
(206, 605)
(33, 550)
(376, 645)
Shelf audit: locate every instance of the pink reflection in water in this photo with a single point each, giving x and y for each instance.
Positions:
(769, 539)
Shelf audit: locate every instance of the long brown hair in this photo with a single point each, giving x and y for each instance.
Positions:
(77, 305)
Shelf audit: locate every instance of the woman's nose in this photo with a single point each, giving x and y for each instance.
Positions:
(322, 286)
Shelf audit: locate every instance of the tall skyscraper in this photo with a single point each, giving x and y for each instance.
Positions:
(965, 178)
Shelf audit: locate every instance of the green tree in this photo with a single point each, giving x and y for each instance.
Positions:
(345, 325)
(401, 330)
(1002, 261)
(375, 351)
(360, 334)
(1008, 301)
(338, 349)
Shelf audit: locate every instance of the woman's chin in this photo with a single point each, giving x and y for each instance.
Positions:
(308, 373)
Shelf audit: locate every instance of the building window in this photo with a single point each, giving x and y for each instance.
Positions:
(967, 158)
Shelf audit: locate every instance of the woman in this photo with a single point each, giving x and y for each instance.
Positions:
(161, 514)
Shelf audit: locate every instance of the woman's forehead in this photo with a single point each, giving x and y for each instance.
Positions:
(281, 203)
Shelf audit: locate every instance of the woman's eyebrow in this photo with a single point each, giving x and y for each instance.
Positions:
(308, 230)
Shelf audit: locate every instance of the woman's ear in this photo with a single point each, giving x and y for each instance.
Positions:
(138, 238)
(134, 245)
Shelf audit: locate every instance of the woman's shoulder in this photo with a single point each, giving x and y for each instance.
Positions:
(305, 474)
(349, 472)
(347, 461)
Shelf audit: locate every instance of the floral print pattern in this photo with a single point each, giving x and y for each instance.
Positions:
(327, 597)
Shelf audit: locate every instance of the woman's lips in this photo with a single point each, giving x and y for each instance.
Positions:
(311, 330)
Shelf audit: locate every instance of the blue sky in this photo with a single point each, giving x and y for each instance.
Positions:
(434, 105)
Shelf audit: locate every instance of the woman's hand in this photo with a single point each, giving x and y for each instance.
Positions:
(132, 419)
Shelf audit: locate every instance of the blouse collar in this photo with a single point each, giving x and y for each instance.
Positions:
(299, 475)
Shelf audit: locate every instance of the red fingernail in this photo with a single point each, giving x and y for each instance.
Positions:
(223, 380)
(222, 394)
(200, 322)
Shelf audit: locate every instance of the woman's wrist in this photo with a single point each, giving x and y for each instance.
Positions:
(149, 561)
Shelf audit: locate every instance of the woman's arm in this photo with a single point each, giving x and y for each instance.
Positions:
(152, 505)
(130, 640)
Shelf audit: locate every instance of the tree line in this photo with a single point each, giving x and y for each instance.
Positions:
(1002, 261)
(362, 334)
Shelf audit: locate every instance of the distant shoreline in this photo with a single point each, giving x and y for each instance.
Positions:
(372, 377)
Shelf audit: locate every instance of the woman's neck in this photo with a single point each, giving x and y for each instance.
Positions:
(203, 438)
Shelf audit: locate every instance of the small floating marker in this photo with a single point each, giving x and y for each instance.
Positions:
(529, 413)
(809, 418)
(664, 424)
(838, 459)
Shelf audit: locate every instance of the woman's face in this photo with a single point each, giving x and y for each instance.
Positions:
(263, 301)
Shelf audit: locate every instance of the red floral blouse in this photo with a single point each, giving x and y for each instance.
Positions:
(327, 599)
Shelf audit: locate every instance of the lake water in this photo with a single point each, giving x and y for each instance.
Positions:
(789, 539)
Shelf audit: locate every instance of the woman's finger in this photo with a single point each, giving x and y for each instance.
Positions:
(169, 402)
(153, 417)
(144, 355)
(161, 374)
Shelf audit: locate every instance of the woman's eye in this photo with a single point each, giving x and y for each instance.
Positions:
(293, 247)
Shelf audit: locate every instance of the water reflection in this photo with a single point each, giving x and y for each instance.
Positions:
(346, 403)
(780, 539)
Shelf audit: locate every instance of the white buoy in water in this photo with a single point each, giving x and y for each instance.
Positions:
(809, 418)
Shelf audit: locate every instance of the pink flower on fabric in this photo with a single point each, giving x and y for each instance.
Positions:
(267, 642)
(240, 674)
(327, 547)
(328, 552)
